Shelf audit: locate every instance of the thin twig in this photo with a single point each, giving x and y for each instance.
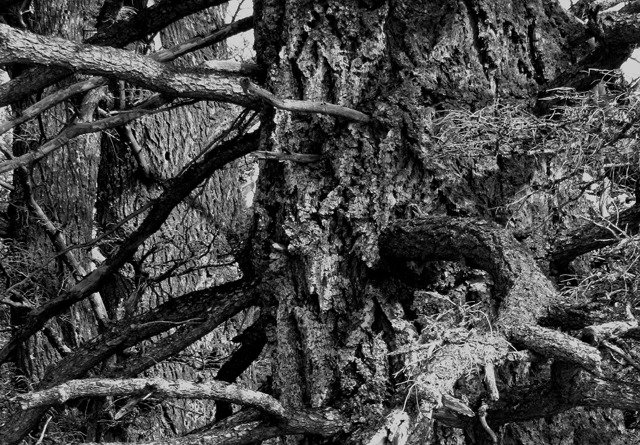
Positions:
(44, 430)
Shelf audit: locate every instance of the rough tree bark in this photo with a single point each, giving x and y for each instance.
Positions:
(345, 316)
(352, 251)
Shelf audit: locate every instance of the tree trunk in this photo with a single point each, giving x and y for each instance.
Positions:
(65, 187)
(343, 313)
(96, 181)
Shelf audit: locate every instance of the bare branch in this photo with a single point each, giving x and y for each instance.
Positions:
(590, 237)
(304, 106)
(216, 36)
(301, 158)
(25, 47)
(558, 345)
(148, 21)
(81, 128)
(490, 381)
(317, 422)
(182, 185)
(51, 100)
(165, 55)
(214, 305)
(74, 265)
(161, 388)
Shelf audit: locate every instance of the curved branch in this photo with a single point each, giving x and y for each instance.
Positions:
(304, 106)
(523, 290)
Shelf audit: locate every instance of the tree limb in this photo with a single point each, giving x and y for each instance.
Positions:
(77, 129)
(180, 188)
(161, 388)
(304, 106)
(148, 21)
(316, 422)
(24, 47)
(523, 290)
(557, 345)
(170, 346)
(165, 55)
(211, 306)
(590, 237)
(253, 340)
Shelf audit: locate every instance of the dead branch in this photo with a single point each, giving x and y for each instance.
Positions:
(78, 129)
(18, 47)
(596, 334)
(148, 21)
(216, 305)
(482, 415)
(182, 185)
(60, 244)
(216, 36)
(51, 100)
(304, 106)
(138, 153)
(318, 422)
(490, 381)
(165, 55)
(556, 344)
(160, 388)
(593, 236)
(301, 158)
